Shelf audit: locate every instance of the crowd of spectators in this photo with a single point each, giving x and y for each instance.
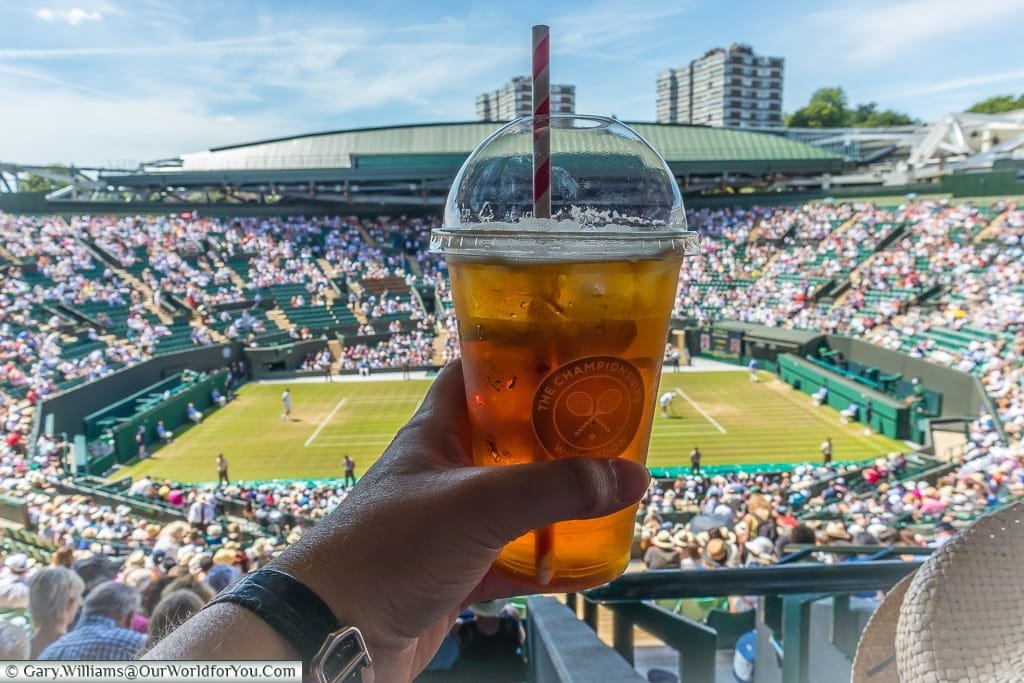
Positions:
(405, 350)
(761, 265)
(744, 519)
(317, 361)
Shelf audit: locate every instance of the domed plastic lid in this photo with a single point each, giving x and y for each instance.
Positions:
(612, 196)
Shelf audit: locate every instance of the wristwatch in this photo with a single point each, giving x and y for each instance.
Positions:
(333, 653)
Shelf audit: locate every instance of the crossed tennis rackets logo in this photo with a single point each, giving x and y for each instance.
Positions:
(589, 406)
(581, 404)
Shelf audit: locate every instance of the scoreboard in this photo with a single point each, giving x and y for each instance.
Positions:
(721, 343)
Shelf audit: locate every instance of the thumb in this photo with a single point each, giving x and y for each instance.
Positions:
(525, 497)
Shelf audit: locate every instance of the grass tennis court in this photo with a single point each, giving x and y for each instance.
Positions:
(733, 420)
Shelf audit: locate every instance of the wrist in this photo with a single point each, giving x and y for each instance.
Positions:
(340, 592)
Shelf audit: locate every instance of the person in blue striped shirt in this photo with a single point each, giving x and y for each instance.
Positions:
(104, 631)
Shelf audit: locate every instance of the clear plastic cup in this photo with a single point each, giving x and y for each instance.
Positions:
(563, 321)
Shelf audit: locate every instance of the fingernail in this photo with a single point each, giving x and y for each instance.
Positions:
(631, 480)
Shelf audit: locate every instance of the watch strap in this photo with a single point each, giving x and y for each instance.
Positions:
(289, 606)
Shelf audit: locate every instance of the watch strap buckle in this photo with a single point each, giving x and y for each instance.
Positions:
(341, 658)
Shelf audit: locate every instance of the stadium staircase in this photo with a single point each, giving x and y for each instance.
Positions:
(848, 224)
(6, 255)
(277, 316)
(755, 232)
(129, 279)
(328, 268)
(372, 243)
(440, 340)
(994, 227)
(236, 279)
(414, 266)
(337, 352)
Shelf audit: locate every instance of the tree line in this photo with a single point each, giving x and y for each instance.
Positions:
(829, 108)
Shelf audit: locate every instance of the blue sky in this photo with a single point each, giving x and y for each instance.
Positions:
(120, 81)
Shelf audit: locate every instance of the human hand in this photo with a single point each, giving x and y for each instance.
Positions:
(413, 544)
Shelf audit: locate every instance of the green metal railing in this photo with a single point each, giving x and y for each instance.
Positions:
(787, 591)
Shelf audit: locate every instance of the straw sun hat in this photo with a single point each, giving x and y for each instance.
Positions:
(663, 540)
(719, 552)
(836, 530)
(956, 618)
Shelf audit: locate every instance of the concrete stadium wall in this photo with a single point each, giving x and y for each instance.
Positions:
(962, 394)
(273, 361)
(70, 408)
(1003, 182)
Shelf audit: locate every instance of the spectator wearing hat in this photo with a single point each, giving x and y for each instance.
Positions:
(718, 553)
(662, 554)
(14, 586)
(760, 552)
(490, 641)
(55, 594)
(199, 565)
(103, 632)
(942, 534)
(220, 576)
(95, 570)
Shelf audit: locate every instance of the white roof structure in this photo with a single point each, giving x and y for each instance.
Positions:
(901, 154)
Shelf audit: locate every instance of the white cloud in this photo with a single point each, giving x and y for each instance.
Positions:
(610, 30)
(119, 133)
(957, 84)
(870, 34)
(73, 16)
(233, 90)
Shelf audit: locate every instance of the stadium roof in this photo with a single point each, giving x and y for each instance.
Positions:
(688, 149)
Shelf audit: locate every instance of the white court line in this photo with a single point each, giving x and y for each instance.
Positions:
(324, 423)
(701, 411)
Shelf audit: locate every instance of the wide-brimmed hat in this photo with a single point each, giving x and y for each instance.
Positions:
(138, 579)
(835, 529)
(719, 552)
(682, 538)
(195, 564)
(135, 560)
(19, 563)
(663, 540)
(761, 549)
(224, 556)
(488, 608)
(95, 570)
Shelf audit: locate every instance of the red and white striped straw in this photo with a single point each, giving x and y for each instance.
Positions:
(543, 538)
(541, 122)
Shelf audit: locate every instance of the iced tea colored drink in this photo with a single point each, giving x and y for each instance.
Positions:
(563, 359)
(562, 321)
